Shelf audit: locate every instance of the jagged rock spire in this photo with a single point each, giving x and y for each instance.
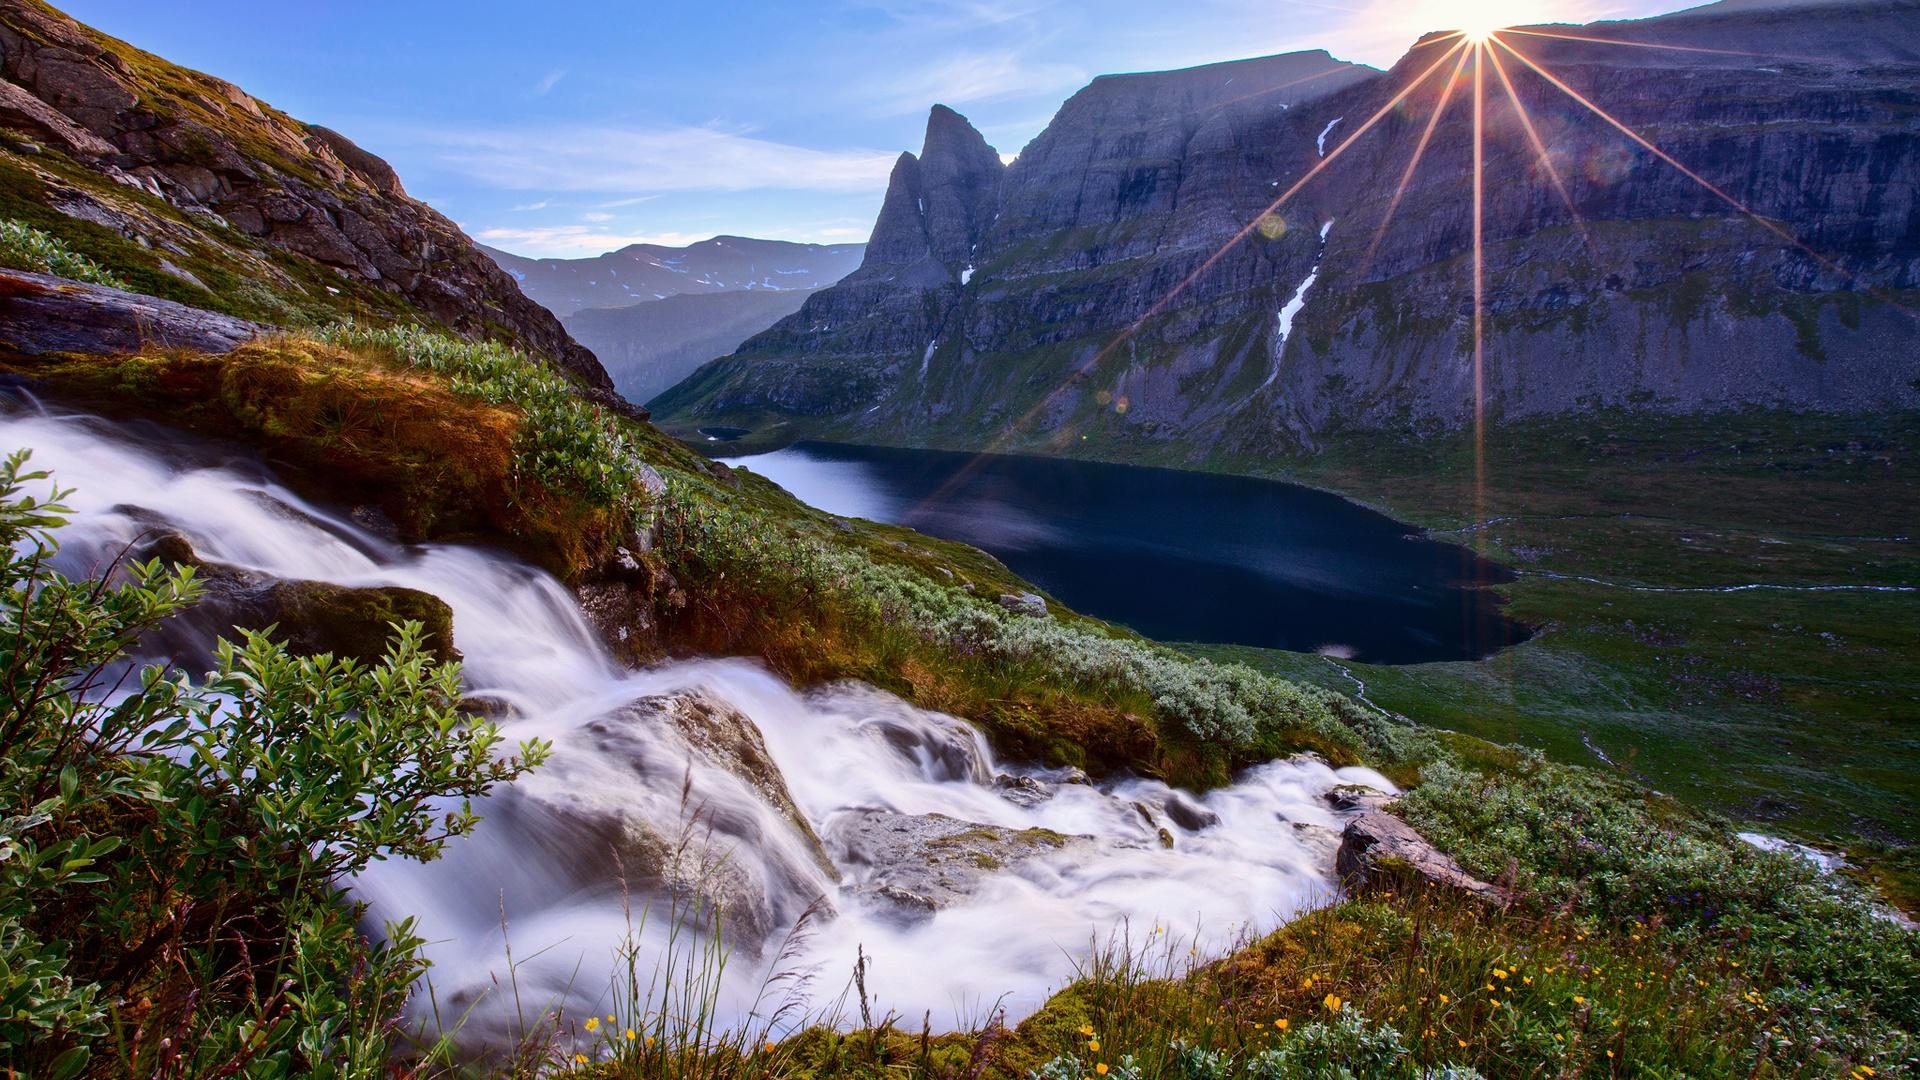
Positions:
(938, 205)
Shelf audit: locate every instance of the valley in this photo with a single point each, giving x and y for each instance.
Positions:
(1309, 570)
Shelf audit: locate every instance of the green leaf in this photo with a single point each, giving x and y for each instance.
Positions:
(69, 1064)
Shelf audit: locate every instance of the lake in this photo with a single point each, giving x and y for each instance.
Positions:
(1179, 556)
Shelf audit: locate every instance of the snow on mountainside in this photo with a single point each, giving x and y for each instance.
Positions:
(643, 272)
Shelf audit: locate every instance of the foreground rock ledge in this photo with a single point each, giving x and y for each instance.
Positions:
(1376, 846)
(44, 314)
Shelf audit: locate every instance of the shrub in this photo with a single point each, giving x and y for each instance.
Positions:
(24, 247)
(168, 851)
(568, 441)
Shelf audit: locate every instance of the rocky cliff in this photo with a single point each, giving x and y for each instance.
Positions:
(210, 197)
(1119, 301)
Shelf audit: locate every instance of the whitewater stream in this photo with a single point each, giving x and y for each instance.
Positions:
(544, 873)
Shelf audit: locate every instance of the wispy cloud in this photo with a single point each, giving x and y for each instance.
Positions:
(548, 81)
(524, 207)
(634, 200)
(596, 217)
(576, 239)
(967, 78)
(628, 162)
(947, 15)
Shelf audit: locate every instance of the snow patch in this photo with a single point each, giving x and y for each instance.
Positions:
(1291, 309)
(967, 274)
(927, 357)
(1321, 142)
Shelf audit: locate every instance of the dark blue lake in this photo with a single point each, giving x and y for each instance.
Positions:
(1179, 556)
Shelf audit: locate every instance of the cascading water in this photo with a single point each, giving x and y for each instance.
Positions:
(970, 883)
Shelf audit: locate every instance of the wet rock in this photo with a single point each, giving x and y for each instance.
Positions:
(309, 617)
(925, 862)
(1353, 798)
(1376, 846)
(1022, 790)
(717, 833)
(1025, 603)
(1188, 814)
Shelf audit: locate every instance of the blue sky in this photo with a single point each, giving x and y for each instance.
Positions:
(573, 127)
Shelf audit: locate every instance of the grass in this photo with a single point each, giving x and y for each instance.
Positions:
(1792, 711)
(1688, 953)
(24, 247)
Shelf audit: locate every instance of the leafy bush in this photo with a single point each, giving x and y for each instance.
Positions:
(24, 247)
(568, 440)
(168, 850)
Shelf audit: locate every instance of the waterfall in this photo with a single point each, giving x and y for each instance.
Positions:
(714, 779)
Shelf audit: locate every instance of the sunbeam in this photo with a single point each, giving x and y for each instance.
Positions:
(1540, 147)
(1413, 162)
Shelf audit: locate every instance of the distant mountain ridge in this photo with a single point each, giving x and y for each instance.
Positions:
(1094, 290)
(649, 347)
(642, 272)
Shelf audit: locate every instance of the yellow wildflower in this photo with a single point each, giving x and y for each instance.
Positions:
(1281, 1024)
(579, 1059)
(630, 1035)
(1499, 973)
(1101, 1068)
(1093, 1045)
(1578, 1000)
(1444, 999)
(1332, 1002)
(1087, 1030)
(609, 1018)
(593, 1023)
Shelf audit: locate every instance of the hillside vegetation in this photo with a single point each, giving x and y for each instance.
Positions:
(1649, 932)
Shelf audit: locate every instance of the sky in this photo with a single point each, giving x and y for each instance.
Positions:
(572, 127)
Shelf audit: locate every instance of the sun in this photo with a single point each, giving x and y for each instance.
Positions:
(1479, 20)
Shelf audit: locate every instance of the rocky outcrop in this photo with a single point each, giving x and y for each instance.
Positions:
(1025, 603)
(250, 175)
(1136, 294)
(742, 854)
(1376, 847)
(309, 617)
(41, 314)
(922, 863)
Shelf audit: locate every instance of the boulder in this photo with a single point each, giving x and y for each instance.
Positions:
(1025, 603)
(309, 617)
(1376, 846)
(922, 863)
(674, 797)
(1353, 798)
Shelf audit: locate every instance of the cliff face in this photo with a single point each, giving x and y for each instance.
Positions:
(1111, 301)
(220, 186)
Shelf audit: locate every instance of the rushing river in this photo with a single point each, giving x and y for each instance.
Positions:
(1179, 556)
(566, 867)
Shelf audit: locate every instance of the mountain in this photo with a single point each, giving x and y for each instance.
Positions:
(200, 193)
(1106, 287)
(649, 347)
(642, 272)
